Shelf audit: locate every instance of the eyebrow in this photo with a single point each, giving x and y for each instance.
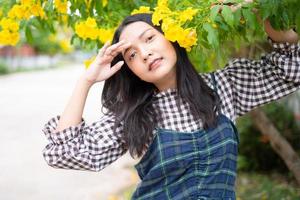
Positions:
(141, 35)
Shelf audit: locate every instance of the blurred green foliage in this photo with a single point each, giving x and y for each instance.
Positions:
(255, 151)
(3, 68)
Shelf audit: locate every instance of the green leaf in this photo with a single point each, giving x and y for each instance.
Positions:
(298, 23)
(82, 10)
(28, 34)
(98, 6)
(237, 16)
(35, 22)
(228, 16)
(250, 18)
(214, 12)
(50, 26)
(212, 35)
(269, 7)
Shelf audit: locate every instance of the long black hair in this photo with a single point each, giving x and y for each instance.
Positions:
(130, 99)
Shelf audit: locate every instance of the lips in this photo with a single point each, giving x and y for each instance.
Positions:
(153, 64)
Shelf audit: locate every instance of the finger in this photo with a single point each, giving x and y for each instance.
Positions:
(110, 49)
(104, 47)
(115, 52)
(117, 66)
(120, 49)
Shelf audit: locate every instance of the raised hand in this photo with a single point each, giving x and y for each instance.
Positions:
(100, 69)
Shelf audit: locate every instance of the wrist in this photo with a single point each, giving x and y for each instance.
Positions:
(85, 81)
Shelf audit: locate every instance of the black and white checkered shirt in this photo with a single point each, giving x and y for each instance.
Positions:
(242, 85)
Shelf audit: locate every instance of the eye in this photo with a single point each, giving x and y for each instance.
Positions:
(150, 37)
(131, 55)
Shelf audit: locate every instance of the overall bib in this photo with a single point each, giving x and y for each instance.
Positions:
(195, 165)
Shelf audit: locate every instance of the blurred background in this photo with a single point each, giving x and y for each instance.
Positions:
(38, 72)
(36, 82)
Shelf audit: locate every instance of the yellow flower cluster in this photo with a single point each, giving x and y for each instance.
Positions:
(26, 9)
(88, 62)
(9, 34)
(88, 29)
(172, 22)
(142, 9)
(186, 38)
(61, 6)
(105, 34)
(65, 46)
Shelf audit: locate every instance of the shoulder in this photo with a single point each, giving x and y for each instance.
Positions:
(207, 77)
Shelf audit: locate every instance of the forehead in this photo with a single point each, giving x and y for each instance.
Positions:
(132, 31)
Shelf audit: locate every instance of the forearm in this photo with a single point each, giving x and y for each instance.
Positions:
(289, 36)
(73, 111)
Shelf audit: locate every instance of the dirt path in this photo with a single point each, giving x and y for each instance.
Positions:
(28, 100)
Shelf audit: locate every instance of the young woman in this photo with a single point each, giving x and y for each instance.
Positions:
(181, 123)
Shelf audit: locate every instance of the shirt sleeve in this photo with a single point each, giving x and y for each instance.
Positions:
(83, 147)
(245, 84)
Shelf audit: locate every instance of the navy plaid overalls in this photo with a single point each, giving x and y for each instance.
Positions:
(196, 165)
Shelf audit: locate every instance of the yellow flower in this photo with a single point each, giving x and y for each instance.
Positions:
(162, 3)
(93, 33)
(171, 24)
(142, 9)
(187, 14)
(4, 37)
(37, 10)
(171, 29)
(104, 3)
(9, 24)
(61, 6)
(87, 29)
(88, 62)
(188, 39)
(80, 30)
(27, 2)
(17, 11)
(105, 34)
(27, 13)
(65, 46)
(9, 34)
(161, 12)
(91, 22)
(15, 37)
(9, 38)
(25, 10)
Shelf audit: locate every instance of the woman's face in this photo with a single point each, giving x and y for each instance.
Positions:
(150, 56)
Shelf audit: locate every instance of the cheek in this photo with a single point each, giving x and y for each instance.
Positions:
(172, 54)
(136, 68)
(169, 49)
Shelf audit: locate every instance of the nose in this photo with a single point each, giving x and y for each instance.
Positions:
(145, 53)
